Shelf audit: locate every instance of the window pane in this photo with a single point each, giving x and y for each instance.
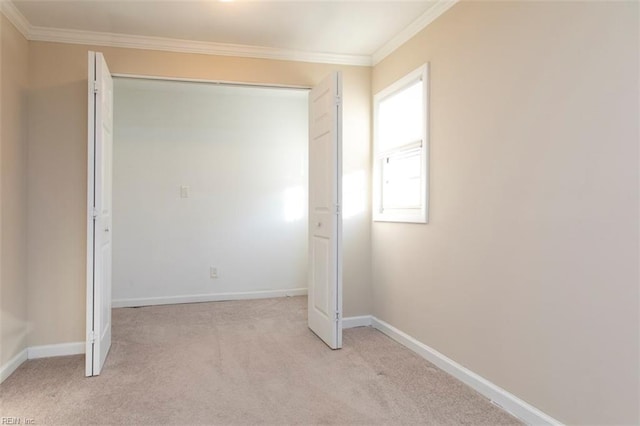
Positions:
(400, 117)
(401, 181)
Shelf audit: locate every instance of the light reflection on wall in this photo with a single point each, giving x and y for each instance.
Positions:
(354, 194)
(354, 198)
(294, 202)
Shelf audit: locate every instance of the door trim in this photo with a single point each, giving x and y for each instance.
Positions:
(209, 81)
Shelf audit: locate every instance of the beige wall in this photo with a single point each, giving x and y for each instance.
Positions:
(13, 191)
(527, 273)
(57, 172)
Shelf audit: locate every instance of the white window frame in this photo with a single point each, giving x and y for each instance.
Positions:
(407, 215)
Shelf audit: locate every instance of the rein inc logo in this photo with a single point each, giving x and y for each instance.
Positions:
(17, 421)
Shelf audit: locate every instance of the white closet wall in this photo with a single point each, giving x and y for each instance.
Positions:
(208, 176)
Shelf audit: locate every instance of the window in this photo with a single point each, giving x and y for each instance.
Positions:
(400, 170)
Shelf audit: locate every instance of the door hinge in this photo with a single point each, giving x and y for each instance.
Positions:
(93, 213)
(337, 316)
(338, 100)
(95, 86)
(337, 209)
(92, 337)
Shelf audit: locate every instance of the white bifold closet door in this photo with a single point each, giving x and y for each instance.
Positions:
(325, 218)
(99, 195)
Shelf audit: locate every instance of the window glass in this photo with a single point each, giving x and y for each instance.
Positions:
(401, 175)
(401, 166)
(400, 117)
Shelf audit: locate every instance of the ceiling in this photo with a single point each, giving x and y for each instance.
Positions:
(348, 28)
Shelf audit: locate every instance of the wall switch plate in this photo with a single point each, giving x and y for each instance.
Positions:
(184, 191)
(213, 272)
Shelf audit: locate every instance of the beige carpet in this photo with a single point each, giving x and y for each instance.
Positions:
(242, 362)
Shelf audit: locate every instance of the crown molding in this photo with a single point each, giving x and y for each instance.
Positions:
(439, 7)
(16, 17)
(94, 38)
(189, 46)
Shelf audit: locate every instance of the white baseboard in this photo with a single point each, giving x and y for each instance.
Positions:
(507, 401)
(35, 352)
(61, 349)
(12, 365)
(360, 321)
(217, 297)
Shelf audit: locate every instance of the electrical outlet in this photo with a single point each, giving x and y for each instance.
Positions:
(213, 272)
